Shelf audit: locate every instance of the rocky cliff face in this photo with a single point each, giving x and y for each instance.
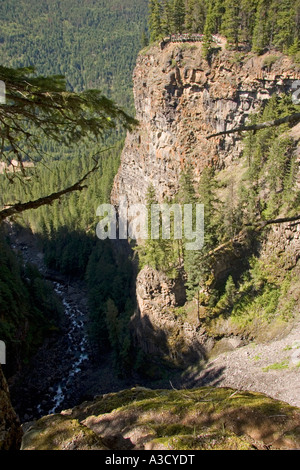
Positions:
(180, 99)
(158, 329)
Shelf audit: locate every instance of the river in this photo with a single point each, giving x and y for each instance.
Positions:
(76, 348)
(65, 371)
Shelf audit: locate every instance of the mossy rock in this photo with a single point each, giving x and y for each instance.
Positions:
(198, 419)
(57, 432)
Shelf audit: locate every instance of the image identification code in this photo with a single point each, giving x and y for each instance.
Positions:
(159, 459)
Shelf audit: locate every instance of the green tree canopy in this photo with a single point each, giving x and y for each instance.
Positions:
(40, 108)
(256, 24)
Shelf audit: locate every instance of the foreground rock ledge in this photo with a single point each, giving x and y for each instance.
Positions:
(198, 419)
(10, 427)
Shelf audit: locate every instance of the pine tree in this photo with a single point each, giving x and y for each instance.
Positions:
(295, 47)
(262, 33)
(209, 30)
(189, 16)
(178, 16)
(155, 15)
(208, 197)
(218, 12)
(166, 17)
(144, 39)
(187, 192)
(194, 264)
(198, 265)
(247, 13)
(151, 253)
(232, 22)
(285, 27)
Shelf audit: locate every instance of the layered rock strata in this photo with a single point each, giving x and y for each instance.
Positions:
(180, 99)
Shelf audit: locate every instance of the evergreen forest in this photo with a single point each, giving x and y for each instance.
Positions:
(254, 24)
(92, 45)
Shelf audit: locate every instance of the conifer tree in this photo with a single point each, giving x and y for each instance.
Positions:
(261, 33)
(295, 47)
(218, 12)
(209, 30)
(247, 14)
(189, 16)
(187, 193)
(285, 26)
(195, 16)
(167, 18)
(155, 15)
(151, 253)
(208, 197)
(192, 259)
(144, 39)
(178, 16)
(231, 22)
(198, 265)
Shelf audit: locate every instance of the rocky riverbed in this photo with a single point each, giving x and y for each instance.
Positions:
(65, 371)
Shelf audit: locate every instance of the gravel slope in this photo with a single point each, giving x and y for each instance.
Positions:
(270, 368)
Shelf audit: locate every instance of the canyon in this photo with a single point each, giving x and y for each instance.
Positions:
(181, 99)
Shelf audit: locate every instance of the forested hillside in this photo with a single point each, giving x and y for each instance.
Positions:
(258, 24)
(29, 308)
(93, 43)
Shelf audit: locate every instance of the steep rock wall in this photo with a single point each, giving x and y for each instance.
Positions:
(180, 99)
(158, 330)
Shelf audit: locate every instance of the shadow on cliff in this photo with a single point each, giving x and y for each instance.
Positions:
(166, 354)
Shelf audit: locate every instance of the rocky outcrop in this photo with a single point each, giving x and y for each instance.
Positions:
(142, 419)
(284, 239)
(159, 329)
(180, 99)
(10, 428)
